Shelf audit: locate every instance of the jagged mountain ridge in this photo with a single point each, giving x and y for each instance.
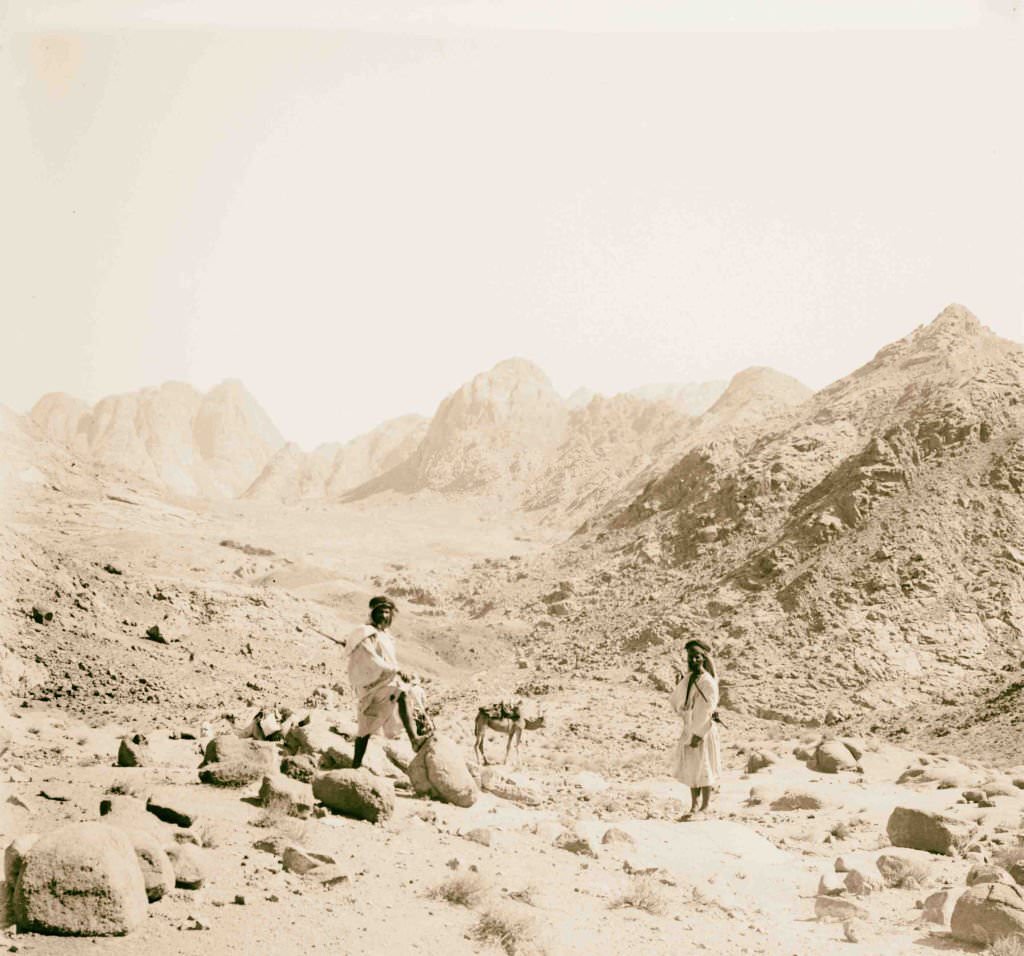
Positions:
(865, 550)
(508, 434)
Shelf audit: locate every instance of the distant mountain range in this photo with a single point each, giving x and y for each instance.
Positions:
(505, 433)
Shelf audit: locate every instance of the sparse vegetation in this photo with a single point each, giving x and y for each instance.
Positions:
(643, 893)
(515, 933)
(208, 836)
(463, 889)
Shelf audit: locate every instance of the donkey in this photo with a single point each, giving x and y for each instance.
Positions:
(503, 719)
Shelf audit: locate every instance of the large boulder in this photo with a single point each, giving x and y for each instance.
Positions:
(231, 761)
(438, 769)
(938, 907)
(312, 735)
(988, 873)
(987, 912)
(289, 796)
(926, 830)
(134, 752)
(831, 756)
(157, 872)
(80, 880)
(355, 793)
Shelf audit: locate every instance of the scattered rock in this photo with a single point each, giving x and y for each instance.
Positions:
(831, 884)
(154, 634)
(173, 808)
(297, 860)
(299, 767)
(133, 752)
(482, 835)
(188, 868)
(615, 836)
(41, 614)
(501, 785)
(157, 872)
(837, 908)
(988, 873)
(312, 735)
(938, 908)
(925, 830)
(831, 756)
(987, 912)
(438, 769)
(292, 796)
(861, 882)
(797, 800)
(355, 793)
(80, 880)
(901, 871)
(575, 843)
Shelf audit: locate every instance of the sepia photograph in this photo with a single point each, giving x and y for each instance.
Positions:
(512, 477)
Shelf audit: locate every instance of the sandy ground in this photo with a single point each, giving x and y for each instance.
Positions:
(743, 880)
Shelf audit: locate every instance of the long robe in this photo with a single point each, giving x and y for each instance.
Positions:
(698, 766)
(373, 674)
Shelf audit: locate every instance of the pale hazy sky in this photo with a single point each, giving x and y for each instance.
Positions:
(356, 207)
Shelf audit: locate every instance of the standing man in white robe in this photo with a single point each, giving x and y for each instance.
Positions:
(697, 759)
(381, 690)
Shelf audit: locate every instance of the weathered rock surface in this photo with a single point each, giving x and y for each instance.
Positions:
(157, 871)
(925, 830)
(355, 793)
(988, 912)
(988, 873)
(831, 756)
(173, 807)
(189, 872)
(134, 752)
(80, 880)
(292, 796)
(440, 771)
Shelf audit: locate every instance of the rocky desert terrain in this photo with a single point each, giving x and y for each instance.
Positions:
(177, 730)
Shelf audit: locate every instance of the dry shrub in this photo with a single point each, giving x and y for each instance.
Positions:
(517, 934)
(1007, 946)
(908, 875)
(462, 889)
(208, 836)
(643, 893)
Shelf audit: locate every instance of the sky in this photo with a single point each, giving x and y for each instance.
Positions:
(356, 207)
